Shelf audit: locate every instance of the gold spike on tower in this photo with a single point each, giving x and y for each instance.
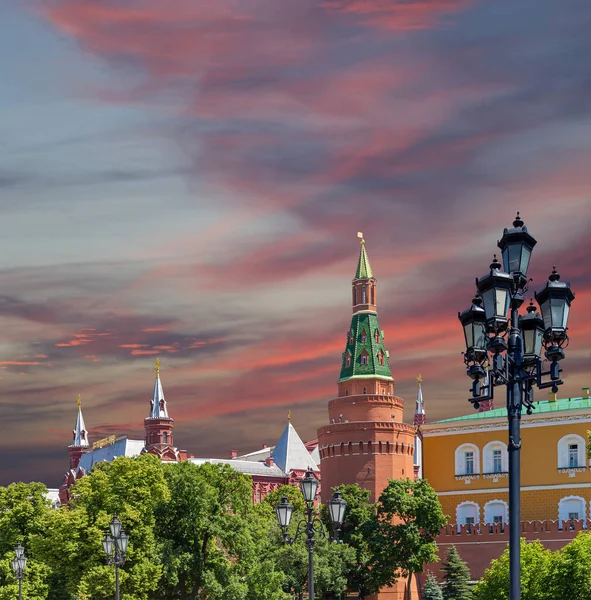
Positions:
(157, 367)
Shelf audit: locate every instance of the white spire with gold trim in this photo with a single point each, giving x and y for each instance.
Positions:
(80, 434)
(158, 402)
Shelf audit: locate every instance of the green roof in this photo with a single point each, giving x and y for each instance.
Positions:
(362, 341)
(363, 267)
(544, 406)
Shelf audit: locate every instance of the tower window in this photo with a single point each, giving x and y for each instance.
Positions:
(377, 336)
(354, 296)
(347, 360)
(381, 358)
(363, 337)
(364, 295)
(165, 437)
(364, 358)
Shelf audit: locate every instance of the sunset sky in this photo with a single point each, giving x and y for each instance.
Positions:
(184, 179)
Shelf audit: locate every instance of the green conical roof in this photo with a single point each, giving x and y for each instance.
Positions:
(365, 354)
(363, 266)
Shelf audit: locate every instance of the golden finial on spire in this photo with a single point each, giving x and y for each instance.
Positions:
(79, 401)
(289, 416)
(360, 235)
(157, 367)
(420, 380)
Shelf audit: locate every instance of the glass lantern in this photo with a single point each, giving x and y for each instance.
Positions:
(336, 508)
(555, 300)
(473, 322)
(309, 485)
(532, 327)
(284, 512)
(495, 291)
(516, 247)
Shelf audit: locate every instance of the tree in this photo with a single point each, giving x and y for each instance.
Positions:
(212, 539)
(71, 545)
(407, 521)
(569, 573)
(432, 591)
(23, 512)
(456, 577)
(535, 562)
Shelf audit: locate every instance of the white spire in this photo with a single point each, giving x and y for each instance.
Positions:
(290, 453)
(420, 405)
(80, 434)
(158, 402)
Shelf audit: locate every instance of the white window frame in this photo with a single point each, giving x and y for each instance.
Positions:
(487, 456)
(460, 461)
(461, 510)
(565, 507)
(491, 510)
(563, 451)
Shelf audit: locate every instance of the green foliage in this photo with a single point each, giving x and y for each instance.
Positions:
(402, 537)
(456, 577)
(535, 563)
(23, 511)
(432, 591)
(569, 575)
(72, 543)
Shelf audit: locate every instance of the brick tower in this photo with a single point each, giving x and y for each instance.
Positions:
(366, 441)
(159, 426)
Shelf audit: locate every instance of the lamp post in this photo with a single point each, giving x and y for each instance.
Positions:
(311, 525)
(115, 547)
(19, 562)
(508, 351)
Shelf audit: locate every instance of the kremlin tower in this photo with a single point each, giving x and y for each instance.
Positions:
(159, 426)
(366, 441)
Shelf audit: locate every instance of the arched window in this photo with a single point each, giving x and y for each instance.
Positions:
(347, 359)
(165, 437)
(363, 358)
(364, 295)
(354, 296)
(571, 508)
(467, 513)
(495, 458)
(571, 452)
(363, 337)
(467, 459)
(377, 336)
(496, 511)
(342, 448)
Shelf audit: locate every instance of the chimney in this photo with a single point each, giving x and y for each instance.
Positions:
(269, 461)
(265, 446)
(233, 454)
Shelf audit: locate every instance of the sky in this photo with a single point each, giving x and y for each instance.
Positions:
(185, 180)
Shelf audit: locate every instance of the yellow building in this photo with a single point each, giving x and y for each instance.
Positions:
(465, 459)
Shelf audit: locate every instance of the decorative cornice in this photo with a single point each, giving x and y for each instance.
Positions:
(500, 424)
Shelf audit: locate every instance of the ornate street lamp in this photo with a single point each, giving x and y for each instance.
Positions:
(115, 547)
(508, 351)
(311, 525)
(19, 562)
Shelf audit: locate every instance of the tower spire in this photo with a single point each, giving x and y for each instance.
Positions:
(363, 266)
(158, 403)
(80, 434)
(420, 405)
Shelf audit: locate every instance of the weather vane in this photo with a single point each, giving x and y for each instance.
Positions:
(157, 367)
(360, 236)
(420, 380)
